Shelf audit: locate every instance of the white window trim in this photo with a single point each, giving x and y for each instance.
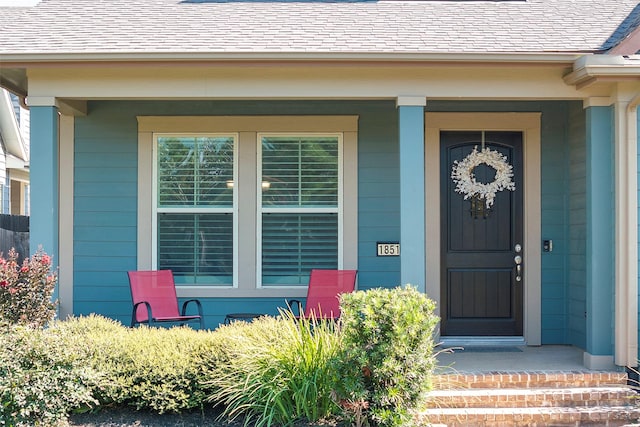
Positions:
(247, 127)
(260, 210)
(233, 209)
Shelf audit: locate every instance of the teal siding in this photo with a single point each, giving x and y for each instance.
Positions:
(106, 191)
(555, 178)
(378, 212)
(105, 205)
(105, 199)
(576, 252)
(555, 202)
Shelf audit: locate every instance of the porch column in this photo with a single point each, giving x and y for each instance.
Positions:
(44, 180)
(412, 207)
(600, 254)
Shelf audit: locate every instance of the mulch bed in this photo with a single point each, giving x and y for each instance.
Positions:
(129, 417)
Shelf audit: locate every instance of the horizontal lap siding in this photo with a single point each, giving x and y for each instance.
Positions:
(554, 198)
(105, 198)
(576, 252)
(378, 198)
(105, 204)
(555, 225)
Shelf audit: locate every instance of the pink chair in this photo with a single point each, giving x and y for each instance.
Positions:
(155, 299)
(323, 294)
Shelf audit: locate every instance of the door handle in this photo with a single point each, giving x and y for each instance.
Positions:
(518, 261)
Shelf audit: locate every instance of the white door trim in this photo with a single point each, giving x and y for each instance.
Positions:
(529, 124)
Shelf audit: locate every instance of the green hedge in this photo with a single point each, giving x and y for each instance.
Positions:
(387, 356)
(151, 368)
(371, 368)
(41, 378)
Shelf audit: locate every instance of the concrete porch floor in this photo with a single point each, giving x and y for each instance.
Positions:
(540, 358)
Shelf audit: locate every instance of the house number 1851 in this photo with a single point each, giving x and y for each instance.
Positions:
(388, 248)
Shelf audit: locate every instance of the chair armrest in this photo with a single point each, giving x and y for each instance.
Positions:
(134, 317)
(297, 302)
(198, 305)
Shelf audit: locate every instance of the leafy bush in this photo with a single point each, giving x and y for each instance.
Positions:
(41, 379)
(387, 356)
(152, 368)
(26, 290)
(278, 370)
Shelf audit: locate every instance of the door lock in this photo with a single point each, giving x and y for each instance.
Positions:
(518, 261)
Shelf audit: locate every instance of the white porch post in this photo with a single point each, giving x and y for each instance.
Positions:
(626, 229)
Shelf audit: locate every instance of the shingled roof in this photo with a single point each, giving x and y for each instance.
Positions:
(316, 26)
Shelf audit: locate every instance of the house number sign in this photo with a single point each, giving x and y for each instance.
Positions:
(388, 248)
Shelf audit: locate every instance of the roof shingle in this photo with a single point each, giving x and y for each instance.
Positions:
(308, 26)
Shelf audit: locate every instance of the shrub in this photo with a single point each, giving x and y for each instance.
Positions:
(151, 368)
(278, 370)
(41, 379)
(387, 358)
(26, 290)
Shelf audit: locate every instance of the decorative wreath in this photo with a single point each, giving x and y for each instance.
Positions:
(462, 174)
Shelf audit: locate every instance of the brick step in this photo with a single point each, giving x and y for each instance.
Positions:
(502, 380)
(530, 417)
(509, 399)
(532, 397)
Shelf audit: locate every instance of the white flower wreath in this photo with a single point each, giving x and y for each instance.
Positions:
(462, 174)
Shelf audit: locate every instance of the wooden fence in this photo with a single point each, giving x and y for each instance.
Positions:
(14, 233)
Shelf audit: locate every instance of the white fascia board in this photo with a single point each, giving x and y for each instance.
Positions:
(484, 57)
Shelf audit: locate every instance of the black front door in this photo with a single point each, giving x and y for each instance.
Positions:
(481, 285)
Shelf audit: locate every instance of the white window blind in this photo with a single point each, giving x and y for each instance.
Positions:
(300, 207)
(195, 209)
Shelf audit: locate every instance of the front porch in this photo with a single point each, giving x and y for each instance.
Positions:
(477, 359)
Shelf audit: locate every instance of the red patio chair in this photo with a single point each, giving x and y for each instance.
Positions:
(155, 299)
(323, 293)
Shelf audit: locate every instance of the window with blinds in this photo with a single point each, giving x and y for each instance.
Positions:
(299, 199)
(195, 208)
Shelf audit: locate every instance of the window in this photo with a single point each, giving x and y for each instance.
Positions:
(300, 216)
(245, 206)
(194, 202)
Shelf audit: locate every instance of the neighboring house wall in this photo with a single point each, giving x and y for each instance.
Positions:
(4, 181)
(105, 199)
(14, 156)
(22, 115)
